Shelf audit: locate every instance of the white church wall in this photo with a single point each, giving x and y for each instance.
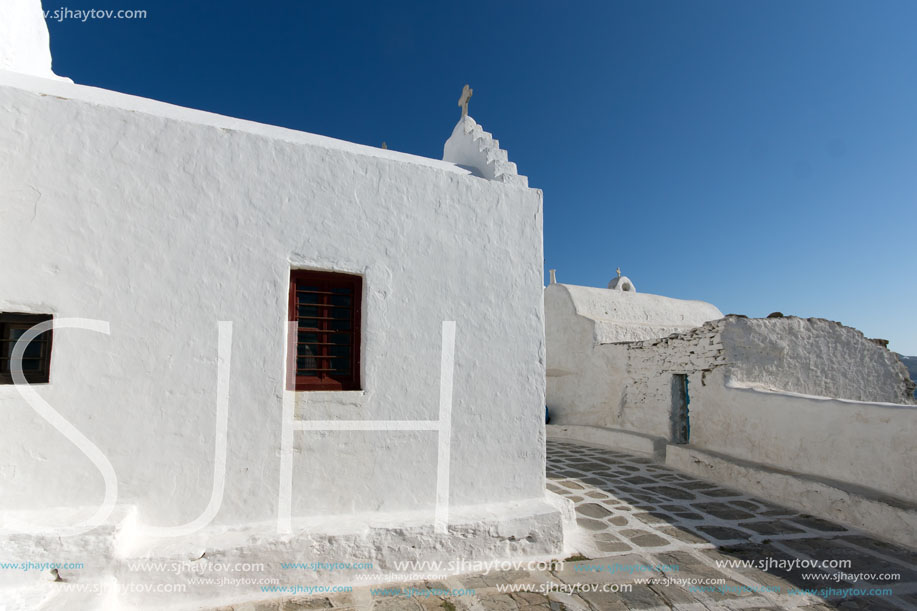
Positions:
(164, 221)
(625, 316)
(584, 379)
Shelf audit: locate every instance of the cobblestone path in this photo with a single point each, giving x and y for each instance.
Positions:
(651, 538)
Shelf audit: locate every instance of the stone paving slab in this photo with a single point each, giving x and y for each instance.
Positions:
(651, 538)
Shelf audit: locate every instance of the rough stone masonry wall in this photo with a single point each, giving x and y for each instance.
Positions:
(813, 356)
(647, 398)
(760, 392)
(807, 356)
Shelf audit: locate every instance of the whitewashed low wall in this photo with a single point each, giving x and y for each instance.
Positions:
(745, 383)
(877, 514)
(864, 444)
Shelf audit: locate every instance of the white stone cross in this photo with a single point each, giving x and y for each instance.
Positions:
(463, 101)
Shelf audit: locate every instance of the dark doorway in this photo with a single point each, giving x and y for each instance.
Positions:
(681, 423)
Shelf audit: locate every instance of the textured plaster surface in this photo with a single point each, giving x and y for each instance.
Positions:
(839, 440)
(813, 356)
(164, 221)
(93, 96)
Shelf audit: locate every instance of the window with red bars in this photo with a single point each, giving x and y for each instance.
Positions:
(325, 347)
(36, 360)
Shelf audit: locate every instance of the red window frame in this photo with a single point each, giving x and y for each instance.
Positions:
(37, 357)
(324, 343)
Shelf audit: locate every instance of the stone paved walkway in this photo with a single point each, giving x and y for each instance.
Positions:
(665, 540)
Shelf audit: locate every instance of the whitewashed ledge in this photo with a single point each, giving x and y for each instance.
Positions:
(517, 531)
(615, 439)
(879, 514)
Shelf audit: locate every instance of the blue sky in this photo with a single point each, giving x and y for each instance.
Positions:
(758, 155)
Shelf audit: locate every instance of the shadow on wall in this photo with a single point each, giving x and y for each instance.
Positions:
(911, 363)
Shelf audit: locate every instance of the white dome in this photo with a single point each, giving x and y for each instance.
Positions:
(622, 283)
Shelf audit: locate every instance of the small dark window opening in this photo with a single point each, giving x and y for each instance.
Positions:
(681, 423)
(36, 360)
(325, 319)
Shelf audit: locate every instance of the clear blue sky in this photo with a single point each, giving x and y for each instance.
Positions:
(758, 155)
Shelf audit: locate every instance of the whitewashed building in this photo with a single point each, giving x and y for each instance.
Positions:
(804, 411)
(268, 345)
(585, 327)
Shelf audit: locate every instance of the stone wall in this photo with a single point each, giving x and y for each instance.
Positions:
(803, 395)
(647, 397)
(628, 385)
(813, 356)
(810, 356)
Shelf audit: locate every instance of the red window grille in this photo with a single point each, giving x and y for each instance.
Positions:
(325, 347)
